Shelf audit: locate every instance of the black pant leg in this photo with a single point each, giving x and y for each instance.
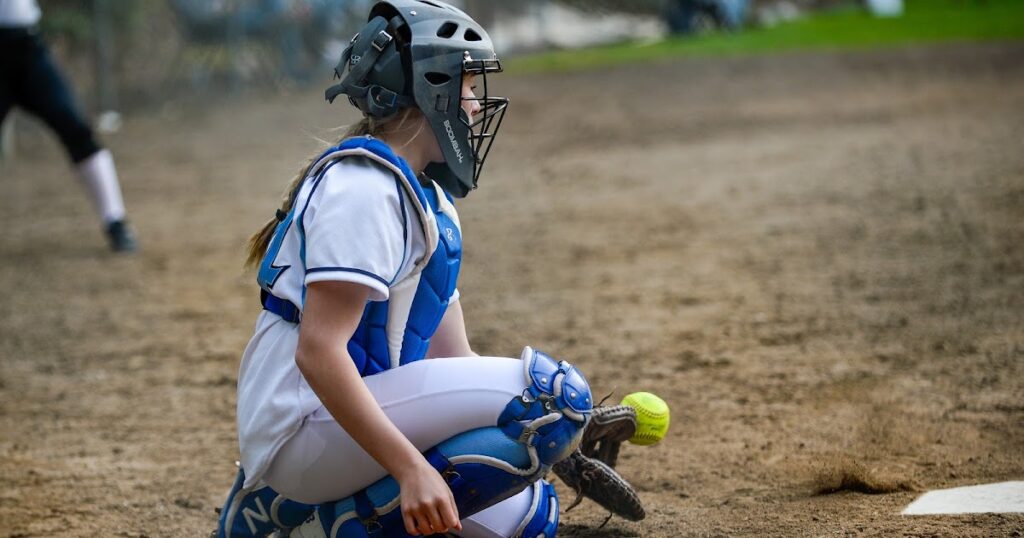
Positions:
(8, 73)
(43, 92)
(6, 99)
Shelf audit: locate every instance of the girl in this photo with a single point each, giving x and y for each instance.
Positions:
(357, 275)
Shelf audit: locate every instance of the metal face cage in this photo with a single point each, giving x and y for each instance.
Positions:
(483, 127)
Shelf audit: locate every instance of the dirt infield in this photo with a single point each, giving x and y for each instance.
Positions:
(817, 259)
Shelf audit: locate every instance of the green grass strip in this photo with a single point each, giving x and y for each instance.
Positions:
(924, 21)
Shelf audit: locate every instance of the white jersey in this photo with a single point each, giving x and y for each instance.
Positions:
(19, 13)
(357, 223)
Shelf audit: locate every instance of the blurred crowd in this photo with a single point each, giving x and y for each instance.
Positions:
(184, 47)
(303, 30)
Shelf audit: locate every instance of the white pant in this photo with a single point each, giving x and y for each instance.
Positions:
(429, 401)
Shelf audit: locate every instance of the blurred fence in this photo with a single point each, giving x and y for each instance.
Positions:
(138, 52)
(126, 52)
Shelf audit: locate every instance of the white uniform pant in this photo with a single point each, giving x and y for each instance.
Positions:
(429, 401)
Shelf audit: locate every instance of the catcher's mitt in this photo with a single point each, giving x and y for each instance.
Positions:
(593, 479)
(608, 428)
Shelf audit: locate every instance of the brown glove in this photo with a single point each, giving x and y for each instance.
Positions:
(590, 469)
(593, 479)
(609, 427)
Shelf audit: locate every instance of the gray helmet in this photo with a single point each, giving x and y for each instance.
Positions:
(413, 53)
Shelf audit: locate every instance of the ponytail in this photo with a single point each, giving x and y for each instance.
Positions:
(259, 241)
(392, 125)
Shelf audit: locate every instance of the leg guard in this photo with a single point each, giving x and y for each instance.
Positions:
(551, 414)
(486, 465)
(258, 512)
(542, 520)
(532, 513)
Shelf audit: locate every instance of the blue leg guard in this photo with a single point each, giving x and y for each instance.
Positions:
(542, 520)
(487, 465)
(551, 414)
(259, 512)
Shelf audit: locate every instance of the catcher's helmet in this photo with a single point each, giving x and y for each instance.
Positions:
(413, 53)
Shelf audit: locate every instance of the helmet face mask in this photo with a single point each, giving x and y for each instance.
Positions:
(485, 124)
(426, 49)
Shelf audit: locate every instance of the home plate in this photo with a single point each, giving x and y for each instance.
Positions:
(1004, 497)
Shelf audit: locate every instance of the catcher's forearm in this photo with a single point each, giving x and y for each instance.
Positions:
(331, 314)
(335, 380)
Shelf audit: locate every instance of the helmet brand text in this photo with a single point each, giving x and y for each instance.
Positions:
(451, 138)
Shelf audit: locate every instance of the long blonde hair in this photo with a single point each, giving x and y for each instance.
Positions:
(368, 126)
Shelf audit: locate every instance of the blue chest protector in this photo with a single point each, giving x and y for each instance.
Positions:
(389, 334)
(369, 344)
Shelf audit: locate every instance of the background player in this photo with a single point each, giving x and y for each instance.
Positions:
(30, 80)
(357, 273)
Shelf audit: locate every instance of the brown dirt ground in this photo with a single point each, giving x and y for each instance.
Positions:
(815, 258)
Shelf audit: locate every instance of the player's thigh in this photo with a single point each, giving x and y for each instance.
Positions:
(43, 92)
(429, 401)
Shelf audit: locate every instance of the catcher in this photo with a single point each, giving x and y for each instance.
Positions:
(343, 429)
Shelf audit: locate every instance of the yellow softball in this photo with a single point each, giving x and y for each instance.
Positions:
(651, 417)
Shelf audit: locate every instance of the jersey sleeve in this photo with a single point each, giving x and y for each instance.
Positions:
(356, 228)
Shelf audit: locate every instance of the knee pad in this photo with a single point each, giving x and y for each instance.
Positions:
(551, 414)
(484, 466)
(258, 512)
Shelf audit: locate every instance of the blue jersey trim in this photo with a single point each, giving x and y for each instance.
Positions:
(348, 270)
(405, 230)
(301, 225)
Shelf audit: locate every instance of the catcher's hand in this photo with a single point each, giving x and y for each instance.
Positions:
(609, 427)
(593, 479)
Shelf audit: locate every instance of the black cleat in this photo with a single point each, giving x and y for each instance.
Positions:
(121, 237)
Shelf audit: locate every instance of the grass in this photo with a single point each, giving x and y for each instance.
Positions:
(925, 21)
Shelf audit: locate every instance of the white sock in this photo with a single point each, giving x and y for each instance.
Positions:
(100, 177)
